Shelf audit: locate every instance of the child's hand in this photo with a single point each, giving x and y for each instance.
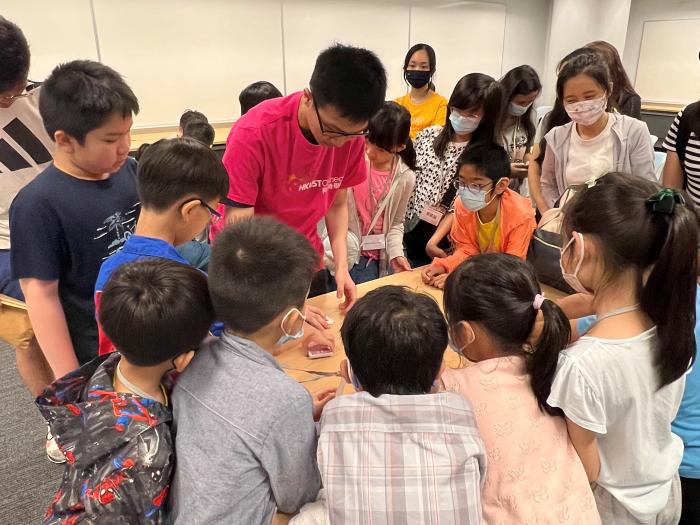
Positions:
(433, 250)
(429, 273)
(321, 398)
(439, 281)
(400, 264)
(316, 318)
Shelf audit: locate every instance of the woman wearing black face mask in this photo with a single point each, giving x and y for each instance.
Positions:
(426, 107)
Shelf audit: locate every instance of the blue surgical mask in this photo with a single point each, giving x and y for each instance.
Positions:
(474, 200)
(518, 111)
(291, 337)
(463, 125)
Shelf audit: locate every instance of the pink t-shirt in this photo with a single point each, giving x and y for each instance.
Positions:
(534, 474)
(272, 167)
(367, 207)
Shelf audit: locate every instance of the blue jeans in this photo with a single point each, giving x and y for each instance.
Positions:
(8, 286)
(365, 270)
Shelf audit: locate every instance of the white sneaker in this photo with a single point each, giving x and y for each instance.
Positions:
(52, 451)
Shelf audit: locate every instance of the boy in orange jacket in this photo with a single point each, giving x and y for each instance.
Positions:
(488, 217)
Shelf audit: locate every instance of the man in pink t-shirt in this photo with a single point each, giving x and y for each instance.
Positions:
(294, 157)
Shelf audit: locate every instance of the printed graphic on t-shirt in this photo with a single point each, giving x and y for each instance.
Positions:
(120, 225)
(22, 144)
(297, 183)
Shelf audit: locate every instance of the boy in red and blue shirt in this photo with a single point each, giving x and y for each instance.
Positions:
(111, 418)
(180, 181)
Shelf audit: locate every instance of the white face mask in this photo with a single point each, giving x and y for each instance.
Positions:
(463, 125)
(291, 337)
(518, 111)
(586, 112)
(572, 278)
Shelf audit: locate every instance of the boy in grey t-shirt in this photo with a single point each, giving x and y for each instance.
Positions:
(245, 433)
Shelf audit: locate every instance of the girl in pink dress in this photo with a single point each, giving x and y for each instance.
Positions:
(534, 474)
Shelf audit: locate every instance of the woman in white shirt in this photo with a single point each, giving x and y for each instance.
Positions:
(596, 141)
(620, 386)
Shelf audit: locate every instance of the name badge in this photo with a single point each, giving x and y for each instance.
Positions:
(432, 215)
(373, 242)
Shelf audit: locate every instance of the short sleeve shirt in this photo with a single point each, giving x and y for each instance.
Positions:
(275, 169)
(691, 162)
(610, 387)
(63, 228)
(25, 151)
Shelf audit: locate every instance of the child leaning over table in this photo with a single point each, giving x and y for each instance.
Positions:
(395, 452)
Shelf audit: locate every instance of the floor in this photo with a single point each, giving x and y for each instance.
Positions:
(27, 479)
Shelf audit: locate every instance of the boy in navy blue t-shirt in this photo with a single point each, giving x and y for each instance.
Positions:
(78, 211)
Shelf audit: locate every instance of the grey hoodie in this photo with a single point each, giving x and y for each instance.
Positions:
(632, 153)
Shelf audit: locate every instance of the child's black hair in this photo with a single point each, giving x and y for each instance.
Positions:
(488, 158)
(584, 62)
(350, 79)
(259, 268)
(474, 90)
(256, 93)
(201, 131)
(391, 127)
(497, 291)
(394, 339)
(14, 55)
(190, 116)
(80, 96)
(521, 80)
(155, 309)
(173, 169)
(658, 242)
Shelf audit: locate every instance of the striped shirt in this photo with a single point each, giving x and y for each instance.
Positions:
(691, 164)
(410, 459)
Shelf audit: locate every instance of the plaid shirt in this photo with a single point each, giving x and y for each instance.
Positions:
(413, 459)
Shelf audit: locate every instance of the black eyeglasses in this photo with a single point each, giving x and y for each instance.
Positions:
(215, 215)
(329, 133)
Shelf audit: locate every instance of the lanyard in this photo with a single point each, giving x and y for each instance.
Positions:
(617, 311)
(385, 195)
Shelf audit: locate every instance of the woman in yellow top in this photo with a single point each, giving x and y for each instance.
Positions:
(426, 107)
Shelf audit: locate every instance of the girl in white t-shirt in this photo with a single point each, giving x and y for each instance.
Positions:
(633, 246)
(597, 140)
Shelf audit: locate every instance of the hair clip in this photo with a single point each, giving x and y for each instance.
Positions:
(664, 201)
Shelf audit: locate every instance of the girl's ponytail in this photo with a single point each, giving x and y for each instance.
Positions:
(542, 362)
(653, 232)
(668, 297)
(501, 293)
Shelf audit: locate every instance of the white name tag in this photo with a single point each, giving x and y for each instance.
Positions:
(373, 242)
(432, 215)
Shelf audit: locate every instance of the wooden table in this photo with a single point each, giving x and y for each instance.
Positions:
(293, 355)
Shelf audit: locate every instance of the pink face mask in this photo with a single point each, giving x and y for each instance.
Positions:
(586, 112)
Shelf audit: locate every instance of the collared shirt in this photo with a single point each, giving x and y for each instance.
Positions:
(246, 439)
(410, 459)
(136, 247)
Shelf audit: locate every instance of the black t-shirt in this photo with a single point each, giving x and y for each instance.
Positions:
(62, 228)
